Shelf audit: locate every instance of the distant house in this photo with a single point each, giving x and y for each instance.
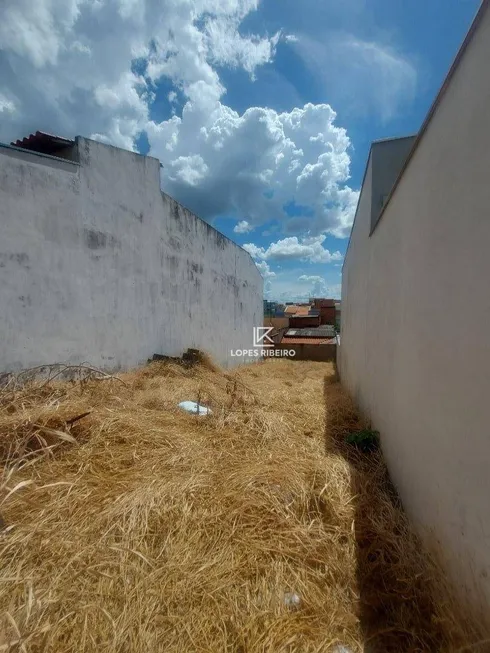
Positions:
(273, 309)
(315, 313)
(297, 309)
(316, 344)
(269, 308)
(310, 319)
(327, 310)
(316, 335)
(307, 329)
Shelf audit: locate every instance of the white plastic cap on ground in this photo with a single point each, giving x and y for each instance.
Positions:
(195, 408)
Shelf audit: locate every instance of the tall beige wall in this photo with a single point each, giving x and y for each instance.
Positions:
(415, 345)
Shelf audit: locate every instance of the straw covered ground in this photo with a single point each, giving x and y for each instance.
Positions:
(141, 528)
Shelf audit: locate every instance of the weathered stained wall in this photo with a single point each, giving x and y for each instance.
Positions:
(97, 264)
(409, 354)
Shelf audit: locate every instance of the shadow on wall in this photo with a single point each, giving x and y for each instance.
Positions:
(405, 603)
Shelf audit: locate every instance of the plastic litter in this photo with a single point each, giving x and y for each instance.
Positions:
(341, 648)
(292, 600)
(195, 408)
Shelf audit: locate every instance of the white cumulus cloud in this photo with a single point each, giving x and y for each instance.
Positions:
(260, 162)
(67, 64)
(6, 105)
(267, 275)
(310, 278)
(319, 287)
(242, 227)
(265, 270)
(93, 67)
(307, 249)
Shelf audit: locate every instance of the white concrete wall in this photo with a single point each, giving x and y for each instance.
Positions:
(96, 264)
(415, 344)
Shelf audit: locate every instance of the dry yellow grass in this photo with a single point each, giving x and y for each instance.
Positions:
(250, 530)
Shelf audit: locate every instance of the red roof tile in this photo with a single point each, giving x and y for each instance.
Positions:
(302, 311)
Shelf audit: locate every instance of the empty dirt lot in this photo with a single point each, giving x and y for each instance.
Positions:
(131, 525)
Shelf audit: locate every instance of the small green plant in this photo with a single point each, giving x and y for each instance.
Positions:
(366, 440)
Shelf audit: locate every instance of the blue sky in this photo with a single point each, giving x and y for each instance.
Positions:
(262, 112)
(425, 34)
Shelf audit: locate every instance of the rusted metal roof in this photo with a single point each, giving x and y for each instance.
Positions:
(325, 331)
(290, 310)
(308, 341)
(44, 143)
(308, 316)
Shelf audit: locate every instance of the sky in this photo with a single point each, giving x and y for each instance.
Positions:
(261, 111)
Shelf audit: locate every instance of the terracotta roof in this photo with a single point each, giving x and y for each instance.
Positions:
(302, 311)
(308, 341)
(43, 142)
